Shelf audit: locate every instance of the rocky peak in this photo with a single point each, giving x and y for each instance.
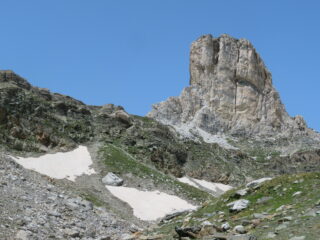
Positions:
(230, 91)
(233, 59)
(11, 77)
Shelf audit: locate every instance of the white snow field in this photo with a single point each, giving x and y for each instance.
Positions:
(215, 189)
(150, 205)
(60, 165)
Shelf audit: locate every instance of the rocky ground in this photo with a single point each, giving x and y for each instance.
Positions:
(38, 207)
(33, 207)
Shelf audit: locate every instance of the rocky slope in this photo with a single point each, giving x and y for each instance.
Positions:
(34, 120)
(33, 207)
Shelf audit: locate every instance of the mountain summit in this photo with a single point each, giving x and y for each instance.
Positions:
(230, 92)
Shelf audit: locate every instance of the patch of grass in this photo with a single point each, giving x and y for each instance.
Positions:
(119, 161)
(262, 155)
(92, 198)
(275, 154)
(145, 120)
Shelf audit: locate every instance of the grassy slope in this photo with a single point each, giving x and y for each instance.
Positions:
(119, 161)
(281, 189)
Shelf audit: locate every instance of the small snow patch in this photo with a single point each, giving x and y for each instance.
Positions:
(215, 188)
(189, 181)
(60, 165)
(150, 205)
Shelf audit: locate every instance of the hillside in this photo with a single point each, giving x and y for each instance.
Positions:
(226, 129)
(281, 208)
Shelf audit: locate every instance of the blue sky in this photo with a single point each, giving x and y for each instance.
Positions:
(135, 53)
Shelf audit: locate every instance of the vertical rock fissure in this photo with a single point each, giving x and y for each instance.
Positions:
(235, 97)
(235, 77)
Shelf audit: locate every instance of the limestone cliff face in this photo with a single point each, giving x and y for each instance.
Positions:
(230, 91)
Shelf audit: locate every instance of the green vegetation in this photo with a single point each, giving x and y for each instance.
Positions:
(281, 189)
(92, 198)
(282, 203)
(145, 120)
(118, 161)
(259, 154)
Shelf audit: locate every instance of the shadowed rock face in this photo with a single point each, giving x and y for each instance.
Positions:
(230, 91)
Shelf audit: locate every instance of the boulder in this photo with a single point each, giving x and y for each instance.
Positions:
(238, 205)
(122, 116)
(298, 238)
(243, 237)
(112, 179)
(271, 235)
(259, 215)
(264, 199)
(282, 226)
(190, 232)
(239, 229)
(225, 226)
(296, 194)
(241, 192)
(257, 183)
(173, 215)
(70, 232)
(22, 235)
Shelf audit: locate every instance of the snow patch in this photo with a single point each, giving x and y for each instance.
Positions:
(188, 180)
(150, 205)
(215, 189)
(60, 165)
(213, 186)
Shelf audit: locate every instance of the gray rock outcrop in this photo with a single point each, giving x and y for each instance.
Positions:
(230, 92)
(238, 205)
(112, 179)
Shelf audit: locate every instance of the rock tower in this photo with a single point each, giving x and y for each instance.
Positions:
(230, 92)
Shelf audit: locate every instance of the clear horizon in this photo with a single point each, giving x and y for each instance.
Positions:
(136, 53)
